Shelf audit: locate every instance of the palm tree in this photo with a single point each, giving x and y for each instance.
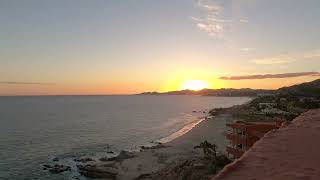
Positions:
(209, 150)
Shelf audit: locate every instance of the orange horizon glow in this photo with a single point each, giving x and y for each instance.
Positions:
(135, 87)
(195, 85)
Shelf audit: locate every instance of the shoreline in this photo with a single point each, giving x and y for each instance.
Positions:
(161, 157)
(143, 161)
(185, 129)
(169, 154)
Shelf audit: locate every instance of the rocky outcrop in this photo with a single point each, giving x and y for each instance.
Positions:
(56, 169)
(83, 160)
(125, 155)
(94, 171)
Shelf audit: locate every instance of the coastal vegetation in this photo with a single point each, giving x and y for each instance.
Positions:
(283, 105)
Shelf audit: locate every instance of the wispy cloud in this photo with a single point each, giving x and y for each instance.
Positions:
(212, 22)
(24, 83)
(288, 58)
(269, 76)
(244, 20)
(247, 49)
(274, 60)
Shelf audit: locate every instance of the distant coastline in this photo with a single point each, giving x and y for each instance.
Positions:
(230, 92)
(300, 90)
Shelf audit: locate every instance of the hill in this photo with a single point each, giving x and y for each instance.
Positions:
(215, 92)
(308, 89)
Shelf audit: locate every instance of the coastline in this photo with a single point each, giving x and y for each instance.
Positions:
(160, 156)
(185, 129)
(175, 152)
(163, 157)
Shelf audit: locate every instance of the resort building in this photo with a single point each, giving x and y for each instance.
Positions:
(243, 135)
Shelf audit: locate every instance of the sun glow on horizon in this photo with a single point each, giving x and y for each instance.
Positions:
(195, 85)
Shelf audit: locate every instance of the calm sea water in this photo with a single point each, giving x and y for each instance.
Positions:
(34, 130)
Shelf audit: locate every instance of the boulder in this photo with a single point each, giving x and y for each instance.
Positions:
(125, 155)
(56, 169)
(83, 160)
(108, 159)
(94, 171)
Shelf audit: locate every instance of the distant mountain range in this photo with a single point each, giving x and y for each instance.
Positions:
(309, 89)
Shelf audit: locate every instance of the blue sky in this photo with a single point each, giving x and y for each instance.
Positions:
(115, 45)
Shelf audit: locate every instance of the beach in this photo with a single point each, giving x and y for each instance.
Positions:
(157, 162)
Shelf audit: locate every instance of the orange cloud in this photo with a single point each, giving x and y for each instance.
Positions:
(269, 76)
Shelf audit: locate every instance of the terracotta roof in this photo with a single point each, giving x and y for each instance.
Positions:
(289, 153)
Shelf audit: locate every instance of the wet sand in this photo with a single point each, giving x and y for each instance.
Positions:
(176, 151)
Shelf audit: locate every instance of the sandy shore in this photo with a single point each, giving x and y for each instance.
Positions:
(172, 160)
(177, 151)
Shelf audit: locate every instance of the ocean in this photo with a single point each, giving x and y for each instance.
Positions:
(36, 130)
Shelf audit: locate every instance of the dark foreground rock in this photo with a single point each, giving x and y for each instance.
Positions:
(56, 169)
(125, 155)
(105, 159)
(94, 171)
(83, 160)
(158, 146)
(190, 169)
(186, 170)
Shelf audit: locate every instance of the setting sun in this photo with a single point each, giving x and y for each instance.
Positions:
(195, 85)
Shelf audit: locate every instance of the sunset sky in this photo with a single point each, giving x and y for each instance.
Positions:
(130, 46)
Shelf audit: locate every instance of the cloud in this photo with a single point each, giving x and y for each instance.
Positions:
(269, 76)
(274, 60)
(213, 19)
(247, 49)
(244, 20)
(312, 54)
(288, 58)
(24, 83)
(212, 22)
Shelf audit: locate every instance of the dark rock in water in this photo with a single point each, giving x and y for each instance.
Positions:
(108, 158)
(158, 146)
(122, 156)
(110, 152)
(47, 166)
(125, 155)
(55, 159)
(83, 160)
(56, 169)
(93, 171)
